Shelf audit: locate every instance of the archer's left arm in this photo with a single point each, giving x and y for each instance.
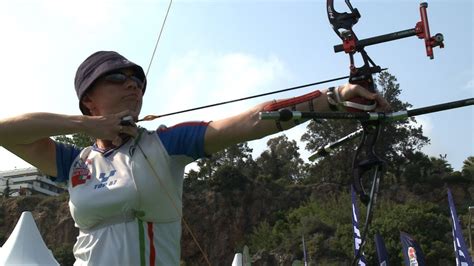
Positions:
(247, 126)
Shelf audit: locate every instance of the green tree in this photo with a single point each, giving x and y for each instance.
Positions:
(326, 224)
(235, 161)
(402, 138)
(281, 162)
(468, 168)
(397, 141)
(428, 172)
(78, 139)
(64, 255)
(428, 223)
(417, 168)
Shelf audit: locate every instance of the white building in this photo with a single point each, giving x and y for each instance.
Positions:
(27, 181)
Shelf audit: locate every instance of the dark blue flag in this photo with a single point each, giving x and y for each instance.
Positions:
(460, 249)
(382, 253)
(411, 251)
(355, 225)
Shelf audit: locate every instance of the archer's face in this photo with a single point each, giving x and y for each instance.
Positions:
(115, 92)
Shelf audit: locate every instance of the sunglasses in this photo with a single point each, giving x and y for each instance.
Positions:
(120, 78)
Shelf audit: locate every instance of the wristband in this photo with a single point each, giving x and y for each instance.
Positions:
(334, 99)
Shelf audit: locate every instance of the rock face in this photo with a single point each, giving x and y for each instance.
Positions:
(51, 214)
(26, 246)
(219, 220)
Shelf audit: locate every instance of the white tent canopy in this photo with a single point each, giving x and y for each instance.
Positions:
(242, 259)
(25, 246)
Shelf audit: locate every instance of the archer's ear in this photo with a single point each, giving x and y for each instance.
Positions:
(87, 102)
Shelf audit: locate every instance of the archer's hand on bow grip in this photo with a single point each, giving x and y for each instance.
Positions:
(356, 93)
(365, 104)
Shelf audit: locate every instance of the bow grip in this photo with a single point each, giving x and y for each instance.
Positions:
(359, 171)
(368, 84)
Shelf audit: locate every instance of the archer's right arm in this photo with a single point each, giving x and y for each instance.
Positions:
(28, 135)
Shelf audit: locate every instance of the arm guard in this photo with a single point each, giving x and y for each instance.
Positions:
(292, 102)
(275, 106)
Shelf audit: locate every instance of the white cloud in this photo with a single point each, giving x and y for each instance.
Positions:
(241, 74)
(42, 44)
(427, 125)
(470, 85)
(202, 78)
(85, 14)
(435, 148)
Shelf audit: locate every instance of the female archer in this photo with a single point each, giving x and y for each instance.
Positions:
(126, 189)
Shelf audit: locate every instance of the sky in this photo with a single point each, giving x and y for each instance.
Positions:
(218, 50)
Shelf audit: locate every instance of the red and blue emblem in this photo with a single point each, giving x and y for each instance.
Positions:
(80, 173)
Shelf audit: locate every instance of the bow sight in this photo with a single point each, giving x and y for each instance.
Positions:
(342, 24)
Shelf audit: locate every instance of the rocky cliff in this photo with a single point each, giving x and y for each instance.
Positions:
(219, 220)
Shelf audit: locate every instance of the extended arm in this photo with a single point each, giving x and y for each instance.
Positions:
(247, 125)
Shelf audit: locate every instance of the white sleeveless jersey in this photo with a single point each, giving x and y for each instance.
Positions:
(127, 203)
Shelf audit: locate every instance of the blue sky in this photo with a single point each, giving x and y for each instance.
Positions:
(218, 50)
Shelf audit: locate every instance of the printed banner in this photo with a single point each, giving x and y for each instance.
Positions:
(304, 252)
(411, 251)
(355, 225)
(460, 249)
(382, 253)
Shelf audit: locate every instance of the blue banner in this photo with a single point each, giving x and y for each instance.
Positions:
(304, 252)
(460, 249)
(382, 253)
(411, 251)
(355, 225)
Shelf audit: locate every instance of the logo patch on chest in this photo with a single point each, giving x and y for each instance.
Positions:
(80, 173)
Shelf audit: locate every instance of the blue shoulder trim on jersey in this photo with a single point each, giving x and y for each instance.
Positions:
(65, 155)
(184, 139)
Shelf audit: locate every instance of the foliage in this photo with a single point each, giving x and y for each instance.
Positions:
(77, 139)
(264, 237)
(468, 169)
(224, 170)
(421, 168)
(336, 168)
(281, 162)
(315, 220)
(426, 222)
(64, 255)
(396, 141)
(412, 179)
(326, 225)
(239, 155)
(228, 178)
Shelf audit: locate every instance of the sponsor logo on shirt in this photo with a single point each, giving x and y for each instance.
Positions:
(80, 173)
(104, 180)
